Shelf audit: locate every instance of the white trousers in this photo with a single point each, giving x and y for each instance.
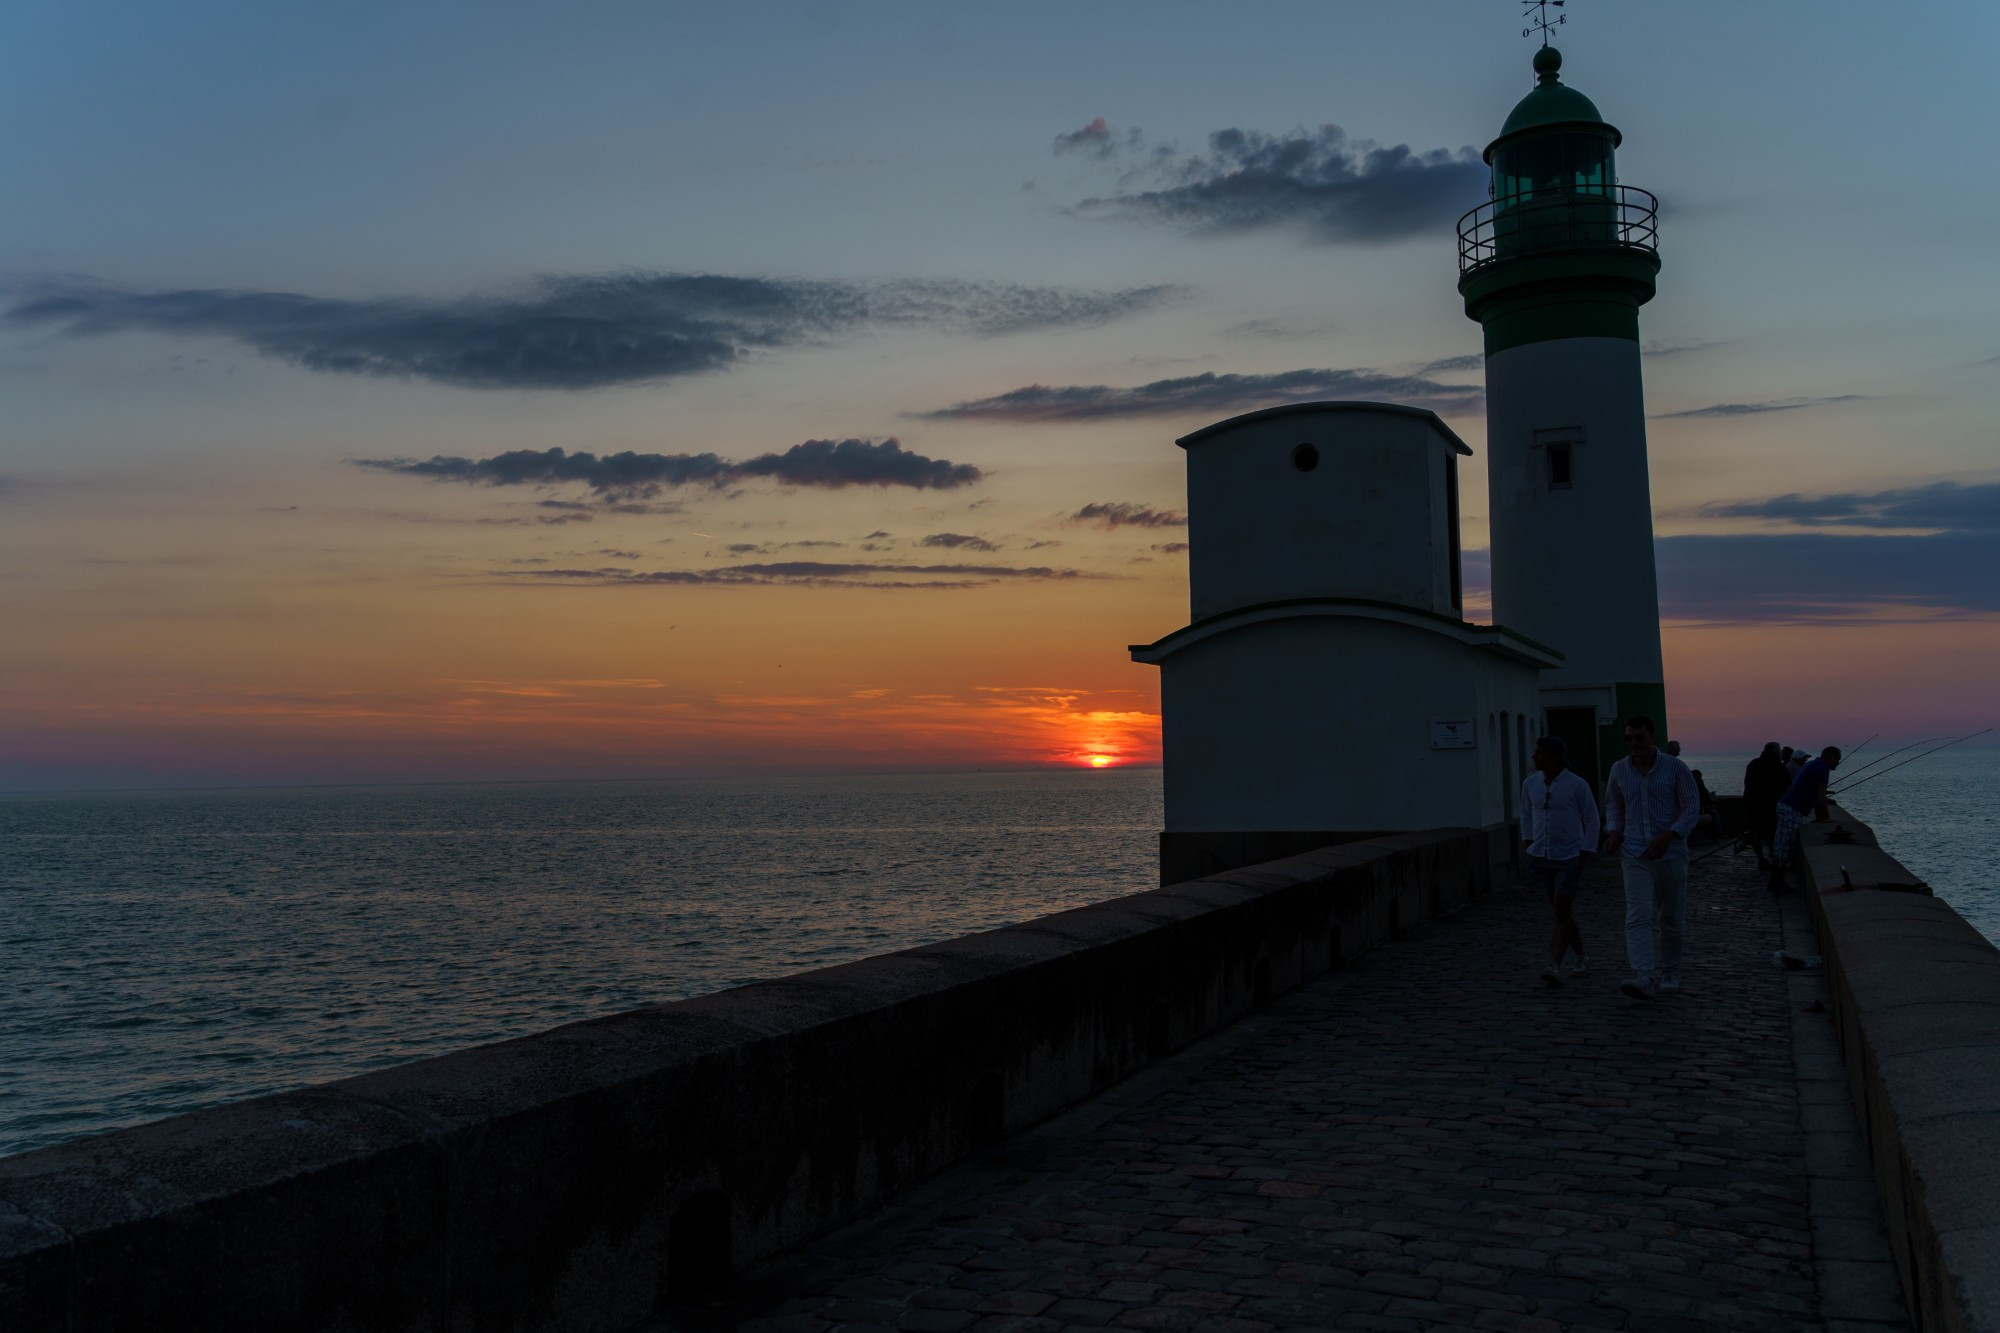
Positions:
(1655, 914)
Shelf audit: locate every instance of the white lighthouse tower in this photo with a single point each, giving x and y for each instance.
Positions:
(1555, 268)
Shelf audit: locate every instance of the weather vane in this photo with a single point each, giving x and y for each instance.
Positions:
(1537, 14)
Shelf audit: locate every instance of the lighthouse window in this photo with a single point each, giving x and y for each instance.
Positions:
(1305, 458)
(1559, 467)
(1553, 163)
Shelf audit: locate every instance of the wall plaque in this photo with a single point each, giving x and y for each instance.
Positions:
(1454, 733)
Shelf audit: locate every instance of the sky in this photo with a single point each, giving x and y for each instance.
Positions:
(436, 392)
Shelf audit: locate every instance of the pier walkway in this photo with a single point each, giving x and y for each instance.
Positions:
(1429, 1138)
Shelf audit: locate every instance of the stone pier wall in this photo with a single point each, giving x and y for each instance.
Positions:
(1916, 997)
(587, 1177)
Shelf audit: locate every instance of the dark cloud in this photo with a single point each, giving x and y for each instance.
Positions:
(1453, 365)
(1811, 578)
(820, 569)
(581, 332)
(1097, 139)
(1475, 569)
(1209, 394)
(1122, 515)
(1753, 409)
(804, 573)
(875, 535)
(834, 464)
(1170, 548)
(743, 548)
(1945, 505)
(589, 509)
(618, 475)
(1320, 182)
(1677, 349)
(1821, 577)
(956, 541)
(628, 477)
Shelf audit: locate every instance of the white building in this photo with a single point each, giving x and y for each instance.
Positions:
(1328, 684)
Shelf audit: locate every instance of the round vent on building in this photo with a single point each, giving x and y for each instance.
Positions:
(1305, 458)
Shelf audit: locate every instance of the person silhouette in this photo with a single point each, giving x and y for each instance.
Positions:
(1558, 829)
(1650, 807)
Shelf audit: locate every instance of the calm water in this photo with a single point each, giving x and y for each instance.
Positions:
(1940, 816)
(166, 951)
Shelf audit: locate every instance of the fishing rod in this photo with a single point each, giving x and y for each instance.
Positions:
(1859, 748)
(1911, 760)
(1735, 844)
(1738, 842)
(1892, 754)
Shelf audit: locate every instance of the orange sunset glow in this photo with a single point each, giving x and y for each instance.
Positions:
(836, 438)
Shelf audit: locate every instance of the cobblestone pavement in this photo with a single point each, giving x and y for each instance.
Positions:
(1430, 1139)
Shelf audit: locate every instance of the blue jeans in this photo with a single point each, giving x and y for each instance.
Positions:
(1655, 914)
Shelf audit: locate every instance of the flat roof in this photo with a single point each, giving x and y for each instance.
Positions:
(1344, 405)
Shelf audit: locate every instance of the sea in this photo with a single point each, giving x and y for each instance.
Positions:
(166, 951)
(1938, 813)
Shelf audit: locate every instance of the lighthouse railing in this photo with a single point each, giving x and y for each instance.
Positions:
(1595, 217)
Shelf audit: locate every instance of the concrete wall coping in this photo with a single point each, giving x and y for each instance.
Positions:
(1917, 998)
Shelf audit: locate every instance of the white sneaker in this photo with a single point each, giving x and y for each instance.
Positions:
(1639, 988)
(1551, 975)
(1670, 983)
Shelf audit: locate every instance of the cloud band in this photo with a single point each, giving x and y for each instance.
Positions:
(825, 464)
(1208, 393)
(576, 332)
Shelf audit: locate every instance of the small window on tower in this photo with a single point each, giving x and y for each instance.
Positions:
(1559, 467)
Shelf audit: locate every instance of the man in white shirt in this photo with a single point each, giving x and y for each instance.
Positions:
(1650, 807)
(1558, 829)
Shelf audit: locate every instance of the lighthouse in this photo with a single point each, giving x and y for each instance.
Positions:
(1554, 267)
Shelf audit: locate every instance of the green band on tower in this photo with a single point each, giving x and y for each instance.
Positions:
(1540, 298)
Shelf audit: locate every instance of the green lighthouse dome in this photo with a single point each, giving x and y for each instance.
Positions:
(1560, 249)
(1552, 105)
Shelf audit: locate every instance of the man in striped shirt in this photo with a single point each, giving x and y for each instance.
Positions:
(1806, 796)
(1650, 807)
